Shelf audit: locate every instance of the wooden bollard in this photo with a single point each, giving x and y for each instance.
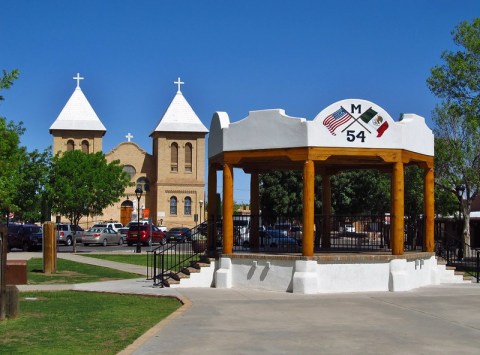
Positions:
(49, 248)
(12, 301)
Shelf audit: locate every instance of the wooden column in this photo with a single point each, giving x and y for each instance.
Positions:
(326, 210)
(428, 210)
(308, 207)
(227, 227)
(398, 209)
(49, 248)
(212, 209)
(254, 210)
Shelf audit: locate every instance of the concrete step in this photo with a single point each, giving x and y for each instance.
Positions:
(169, 282)
(195, 268)
(449, 274)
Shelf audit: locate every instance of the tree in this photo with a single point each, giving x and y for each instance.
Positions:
(360, 192)
(83, 184)
(457, 81)
(7, 79)
(457, 119)
(11, 154)
(280, 195)
(30, 193)
(457, 159)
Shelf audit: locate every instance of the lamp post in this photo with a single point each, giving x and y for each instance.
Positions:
(201, 204)
(138, 193)
(460, 189)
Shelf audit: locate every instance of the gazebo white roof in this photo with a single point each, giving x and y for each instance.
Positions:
(180, 116)
(273, 129)
(78, 114)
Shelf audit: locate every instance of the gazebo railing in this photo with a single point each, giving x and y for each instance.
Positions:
(285, 234)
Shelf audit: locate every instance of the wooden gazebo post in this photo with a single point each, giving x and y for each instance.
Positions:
(308, 207)
(429, 209)
(227, 225)
(398, 208)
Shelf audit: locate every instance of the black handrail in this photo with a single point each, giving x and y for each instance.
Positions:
(458, 254)
(168, 261)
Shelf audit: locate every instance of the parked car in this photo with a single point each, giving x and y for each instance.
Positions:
(103, 236)
(123, 233)
(134, 223)
(66, 231)
(114, 225)
(149, 234)
(179, 234)
(25, 236)
(276, 238)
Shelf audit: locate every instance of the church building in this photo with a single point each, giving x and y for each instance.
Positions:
(172, 177)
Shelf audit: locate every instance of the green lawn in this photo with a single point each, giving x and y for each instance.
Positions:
(70, 272)
(139, 259)
(70, 322)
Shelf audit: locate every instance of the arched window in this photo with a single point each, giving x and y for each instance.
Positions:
(130, 170)
(85, 146)
(173, 205)
(70, 145)
(188, 157)
(174, 157)
(187, 209)
(143, 183)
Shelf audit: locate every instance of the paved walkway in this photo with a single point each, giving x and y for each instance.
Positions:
(442, 319)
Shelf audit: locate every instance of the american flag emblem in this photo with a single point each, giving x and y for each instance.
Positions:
(336, 119)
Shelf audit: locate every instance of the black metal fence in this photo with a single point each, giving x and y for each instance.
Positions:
(451, 247)
(346, 233)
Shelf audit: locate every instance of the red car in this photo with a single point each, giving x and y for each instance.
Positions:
(148, 235)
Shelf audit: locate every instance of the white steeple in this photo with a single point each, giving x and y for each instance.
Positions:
(78, 114)
(180, 116)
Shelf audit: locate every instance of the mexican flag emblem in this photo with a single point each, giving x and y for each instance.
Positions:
(375, 121)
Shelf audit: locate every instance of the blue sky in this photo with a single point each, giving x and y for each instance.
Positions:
(233, 56)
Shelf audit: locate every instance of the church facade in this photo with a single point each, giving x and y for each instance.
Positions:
(172, 177)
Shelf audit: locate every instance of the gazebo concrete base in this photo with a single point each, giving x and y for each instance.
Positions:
(332, 273)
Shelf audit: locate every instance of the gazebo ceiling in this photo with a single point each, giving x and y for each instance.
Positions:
(326, 159)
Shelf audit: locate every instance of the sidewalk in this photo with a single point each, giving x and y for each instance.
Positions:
(441, 319)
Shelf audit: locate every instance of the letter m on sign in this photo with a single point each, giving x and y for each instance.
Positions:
(358, 108)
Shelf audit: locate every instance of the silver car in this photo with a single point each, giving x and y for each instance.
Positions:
(103, 236)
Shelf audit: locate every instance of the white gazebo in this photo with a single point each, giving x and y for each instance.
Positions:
(349, 134)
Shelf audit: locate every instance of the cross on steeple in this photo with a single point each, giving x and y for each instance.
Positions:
(129, 136)
(178, 82)
(78, 78)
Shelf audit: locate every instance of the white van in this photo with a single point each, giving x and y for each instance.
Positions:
(113, 225)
